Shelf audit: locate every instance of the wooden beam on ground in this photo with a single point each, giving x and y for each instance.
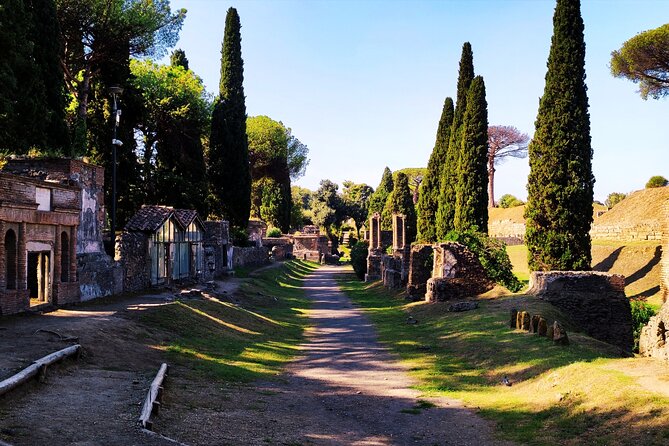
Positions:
(153, 398)
(37, 368)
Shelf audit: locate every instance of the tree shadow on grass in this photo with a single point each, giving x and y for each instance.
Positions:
(607, 263)
(657, 256)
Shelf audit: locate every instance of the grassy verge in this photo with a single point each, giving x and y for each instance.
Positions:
(573, 395)
(242, 337)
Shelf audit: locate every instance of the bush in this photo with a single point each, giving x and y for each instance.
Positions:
(614, 198)
(656, 181)
(492, 255)
(641, 314)
(359, 259)
(509, 201)
(274, 232)
(240, 237)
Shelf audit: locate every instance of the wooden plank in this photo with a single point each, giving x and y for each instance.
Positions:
(34, 369)
(151, 402)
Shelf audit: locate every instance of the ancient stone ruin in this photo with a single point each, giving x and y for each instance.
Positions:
(375, 249)
(420, 270)
(395, 267)
(537, 324)
(594, 301)
(456, 273)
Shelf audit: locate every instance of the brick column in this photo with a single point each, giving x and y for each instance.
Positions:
(22, 254)
(57, 256)
(3, 257)
(73, 254)
(399, 237)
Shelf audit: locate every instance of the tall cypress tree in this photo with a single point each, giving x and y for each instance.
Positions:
(560, 185)
(449, 176)
(428, 198)
(377, 201)
(228, 168)
(402, 203)
(471, 203)
(178, 59)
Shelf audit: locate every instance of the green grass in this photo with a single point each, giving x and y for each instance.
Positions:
(573, 395)
(248, 338)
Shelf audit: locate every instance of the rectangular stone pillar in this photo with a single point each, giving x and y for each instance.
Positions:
(375, 231)
(399, 232)
(22, 263)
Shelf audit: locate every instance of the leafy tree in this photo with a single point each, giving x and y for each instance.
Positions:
(656, 181)
(297, 156)
(176, 111)
(509, 201)
(103, 32)
(356, 200)
(178, 59)
(560, 185)
(471, 202)
(644, 59)
(614, 198)
(449, 175)
(428, 198)
(402, 203)
(377, 202)
(328, 209)
(504, 141)
(228, 157)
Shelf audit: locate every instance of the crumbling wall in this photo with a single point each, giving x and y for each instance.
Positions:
(594, 301)
(420, 270)
(99, 275)
(132, 251)
(252, 256)
(456, 273)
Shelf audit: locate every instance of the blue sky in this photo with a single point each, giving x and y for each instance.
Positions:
(362, 83)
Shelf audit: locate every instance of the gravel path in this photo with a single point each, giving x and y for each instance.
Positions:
(345, 389)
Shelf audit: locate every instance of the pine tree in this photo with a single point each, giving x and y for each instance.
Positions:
(471, 203)
(377, 202)
(228, 168)
(402, 203)
(428, 198)
(560, 184)
(449, 176)
(178, 58)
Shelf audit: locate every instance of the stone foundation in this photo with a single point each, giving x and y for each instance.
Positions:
(420, 271)
(594, 301)
(456, 273)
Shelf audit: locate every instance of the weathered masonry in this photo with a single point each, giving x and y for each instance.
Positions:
(38, 239)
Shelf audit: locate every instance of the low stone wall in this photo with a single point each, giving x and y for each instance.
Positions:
(594, 301)
(99, 275)
(374, 259)
(507, 230)
(391, 272)
(252, 256)
(626, 233)
(456, 273)
(420, 270)
(280, 247)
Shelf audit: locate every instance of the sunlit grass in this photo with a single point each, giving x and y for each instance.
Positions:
(571, 395)
(252, 337)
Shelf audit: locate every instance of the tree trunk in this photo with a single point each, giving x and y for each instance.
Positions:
(491, 184)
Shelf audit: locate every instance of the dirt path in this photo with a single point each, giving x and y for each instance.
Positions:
(345, 389)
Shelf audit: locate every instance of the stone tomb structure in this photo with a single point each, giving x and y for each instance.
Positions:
(375, 253)
(653, 340)
(39, 223)
(395, 267)
(594, 301)
(310, 246)
(161, 245)
(98, 275)
(456, 273)
(420, 270)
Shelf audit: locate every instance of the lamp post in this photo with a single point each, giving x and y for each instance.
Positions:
(116, 92)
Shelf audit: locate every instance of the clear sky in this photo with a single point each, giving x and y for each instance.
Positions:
(362, 83)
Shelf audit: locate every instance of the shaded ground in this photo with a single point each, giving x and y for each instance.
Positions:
(345, 389)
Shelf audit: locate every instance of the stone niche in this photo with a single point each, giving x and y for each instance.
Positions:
(594, 301)
(456, 273)
(420, 270)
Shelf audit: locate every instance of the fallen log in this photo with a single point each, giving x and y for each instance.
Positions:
(153, 398)
(37, 367)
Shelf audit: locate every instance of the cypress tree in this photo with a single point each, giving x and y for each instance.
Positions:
(402, 203)
(471, 203)
(560, 184)
(377, 202)
(449, 175)
(228, 168)
(428, 198)
(178, 59)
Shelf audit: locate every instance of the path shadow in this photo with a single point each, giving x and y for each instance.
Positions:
(657, 256)
(607, 263)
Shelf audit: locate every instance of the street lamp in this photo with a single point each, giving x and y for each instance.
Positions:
(116, 92)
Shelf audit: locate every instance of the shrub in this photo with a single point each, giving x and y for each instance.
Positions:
(656, 181)
(240, 237)
(614, 198)
(641, 314)
(492, 255)
(509, 201)
(359, 259)
(274, 232)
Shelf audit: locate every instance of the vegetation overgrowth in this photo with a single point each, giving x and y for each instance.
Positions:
(251, 336)
(574, 395)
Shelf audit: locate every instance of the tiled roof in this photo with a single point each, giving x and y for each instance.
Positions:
(149, 218)
(185, 216)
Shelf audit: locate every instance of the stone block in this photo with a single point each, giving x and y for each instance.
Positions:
(559, 334)
(542, 327)
(513, 319)
(420, 270)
